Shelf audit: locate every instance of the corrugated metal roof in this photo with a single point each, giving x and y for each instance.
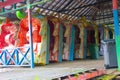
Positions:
(92, 9)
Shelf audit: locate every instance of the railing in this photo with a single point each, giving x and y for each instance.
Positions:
(15, 57)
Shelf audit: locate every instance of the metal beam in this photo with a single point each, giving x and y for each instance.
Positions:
(84, 9)
(66, 5)
(55, 11)
(100, 2)
(53, 6)
(33, 4)
(47, 5)
(73, 12)
(109, 23)
(104, 17)
(79, 11)
(62, 2)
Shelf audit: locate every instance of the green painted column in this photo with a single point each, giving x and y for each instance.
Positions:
(60, 43)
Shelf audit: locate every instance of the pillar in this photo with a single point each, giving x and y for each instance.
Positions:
(30, 30)
(117, 31)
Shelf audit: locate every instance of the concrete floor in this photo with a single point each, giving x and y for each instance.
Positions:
(49, 71)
